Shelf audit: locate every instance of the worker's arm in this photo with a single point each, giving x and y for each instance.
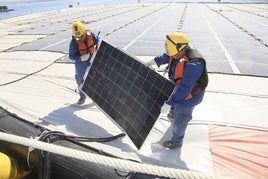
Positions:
(161, 59)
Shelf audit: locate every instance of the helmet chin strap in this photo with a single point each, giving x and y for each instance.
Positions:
(171, 41)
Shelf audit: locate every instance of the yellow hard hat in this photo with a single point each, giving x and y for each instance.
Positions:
(175, 42)
(78, 29)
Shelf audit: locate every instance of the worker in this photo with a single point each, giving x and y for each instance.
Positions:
(81, 49)
(187, 69)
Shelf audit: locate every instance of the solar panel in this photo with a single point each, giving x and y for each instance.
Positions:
(130, 93)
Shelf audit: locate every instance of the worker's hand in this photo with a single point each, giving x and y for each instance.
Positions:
(85, 57)
(150, 64)
(165, 108)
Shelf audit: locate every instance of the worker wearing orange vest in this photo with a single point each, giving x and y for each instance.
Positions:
(187, 68)
(81, 49)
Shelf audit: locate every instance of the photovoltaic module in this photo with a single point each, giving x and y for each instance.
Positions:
(130, 93)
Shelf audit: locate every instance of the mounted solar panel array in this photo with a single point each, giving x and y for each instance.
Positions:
(130, 93)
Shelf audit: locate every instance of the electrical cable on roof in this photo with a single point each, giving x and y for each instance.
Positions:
(68, 138)
(26, 76)
(4, 84)
(104, 160)
(52, 137)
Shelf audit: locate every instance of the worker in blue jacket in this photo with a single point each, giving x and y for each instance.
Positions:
(81, 49)
(186, 68)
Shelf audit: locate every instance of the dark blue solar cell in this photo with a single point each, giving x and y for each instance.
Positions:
(130, 93)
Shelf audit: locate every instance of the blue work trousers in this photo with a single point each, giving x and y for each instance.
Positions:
(182, 114)
(79, 83)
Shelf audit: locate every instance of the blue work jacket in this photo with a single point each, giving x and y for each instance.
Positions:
(192, 71)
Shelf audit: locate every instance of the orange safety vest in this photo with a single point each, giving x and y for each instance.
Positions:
(87, 46)
(179, 71)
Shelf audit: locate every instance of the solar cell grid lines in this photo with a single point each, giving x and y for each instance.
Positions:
(130, 93)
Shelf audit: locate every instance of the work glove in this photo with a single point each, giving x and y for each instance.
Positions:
(85, 57)
(150, 64)
(165, 108)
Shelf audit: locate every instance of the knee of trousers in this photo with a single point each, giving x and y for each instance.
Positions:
(184, 119)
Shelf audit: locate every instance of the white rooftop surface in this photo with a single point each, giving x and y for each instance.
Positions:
(43, 96)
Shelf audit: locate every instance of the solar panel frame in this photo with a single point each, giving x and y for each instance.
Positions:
(127, 91)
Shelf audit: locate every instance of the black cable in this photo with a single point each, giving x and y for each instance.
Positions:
(53, 135)
(30, 74)
(87, 139)
(125, 175)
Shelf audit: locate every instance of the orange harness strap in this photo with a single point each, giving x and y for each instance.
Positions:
(179, 72)
(84, 48)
